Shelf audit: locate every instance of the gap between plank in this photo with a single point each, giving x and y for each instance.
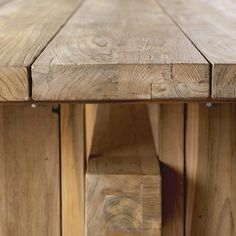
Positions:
(180, 28)
(29, 68)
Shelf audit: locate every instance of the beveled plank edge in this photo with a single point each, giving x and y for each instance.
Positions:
(22, 94)
(228, 90)
(50, 85)
(120, 82)
(14, 84)
(224, 81)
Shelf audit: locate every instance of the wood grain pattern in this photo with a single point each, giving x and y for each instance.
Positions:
(90, 120)
(29, 171)
(211, 168)
(120, 50)
(72, 169)
(26, 27)
(210, 24)
(168, 130)
(123, 185)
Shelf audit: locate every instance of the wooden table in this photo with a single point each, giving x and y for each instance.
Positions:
(97, 88)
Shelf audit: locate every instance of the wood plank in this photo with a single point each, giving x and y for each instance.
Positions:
(168, 130)
(90, 120)
(210, 168)
(123, 183)
(120, 50)
(29, 171)
(26, 27)
(210, 24)
(72, 169)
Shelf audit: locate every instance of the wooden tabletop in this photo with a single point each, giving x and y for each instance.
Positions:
(26, 27)
(211, 26)
(103, 50)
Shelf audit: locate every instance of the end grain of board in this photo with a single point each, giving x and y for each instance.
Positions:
(210, 25)
(26, 27)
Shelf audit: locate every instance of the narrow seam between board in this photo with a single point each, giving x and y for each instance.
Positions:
(29, 69)
(186, 35)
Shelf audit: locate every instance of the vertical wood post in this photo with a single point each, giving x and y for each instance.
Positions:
(168, 129)
(123, 188)
(72, 169)
(29, 171)
(211, 170)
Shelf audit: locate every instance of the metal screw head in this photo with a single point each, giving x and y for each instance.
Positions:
(33, 105)
(209, 104)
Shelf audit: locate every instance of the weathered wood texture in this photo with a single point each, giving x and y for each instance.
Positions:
(72, 169)
(168, 130)
(90, 120)
(210, 24)
(123, 178)
(120, 50)
(26, 27)
(211, 170)
(29, 171)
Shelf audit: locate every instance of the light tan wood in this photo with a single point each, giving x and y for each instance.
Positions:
(120, 50)
(210, 168)
(154, 117)
(90, 119)
(210, 24)
(123, 183)
(26, 27)
(168, 130)
(29, 171)
(72, 169)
